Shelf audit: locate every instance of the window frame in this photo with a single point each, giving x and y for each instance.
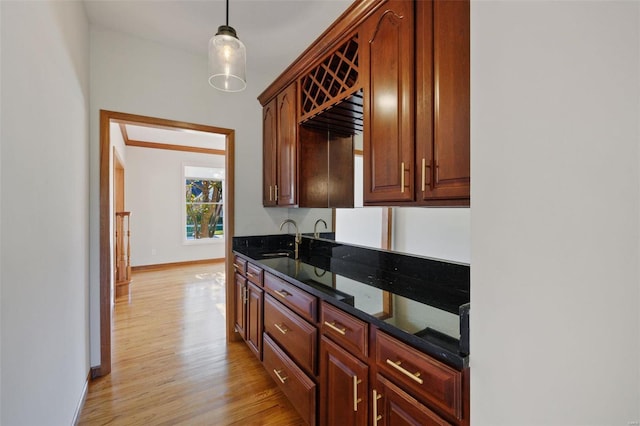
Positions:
(183, 203)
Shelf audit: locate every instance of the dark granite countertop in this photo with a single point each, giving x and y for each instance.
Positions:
(430, 297)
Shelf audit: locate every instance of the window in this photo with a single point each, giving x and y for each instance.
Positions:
(204, 212)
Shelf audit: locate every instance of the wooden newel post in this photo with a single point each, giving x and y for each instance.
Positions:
(123, 253)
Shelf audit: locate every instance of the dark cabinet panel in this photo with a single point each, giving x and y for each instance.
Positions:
(295, 335)
(388, 74)
(326, 169)
(395, 407)
(279, 149)
(427, 379)
(254, 318)
(344, 386)
(295, 384)
(240, 315)
(269, 146)
(443, 101)
(287, 147)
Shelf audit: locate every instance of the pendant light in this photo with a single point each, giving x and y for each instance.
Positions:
(227, 59)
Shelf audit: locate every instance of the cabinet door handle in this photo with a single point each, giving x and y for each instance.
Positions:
(281, 328)
(356, 400)
(402, 177)
(282, 293)
(276, 199)
(246, 295)
(424, 175)
(282, 379)
(270, 193)
(334, 326)
(413, 376)
(376, 417)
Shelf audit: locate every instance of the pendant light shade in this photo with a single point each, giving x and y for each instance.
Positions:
(227, 59)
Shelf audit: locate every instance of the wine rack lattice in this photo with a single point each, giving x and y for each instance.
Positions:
(332, 81)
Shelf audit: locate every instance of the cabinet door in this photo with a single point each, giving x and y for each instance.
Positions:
(286, 150)
(392, 406)
(443, 100)
(387, 55)
(269, 146)
(345, 384)
(240, 290)
(254, 318)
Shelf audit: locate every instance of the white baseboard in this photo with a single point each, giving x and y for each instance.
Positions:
(83, 398)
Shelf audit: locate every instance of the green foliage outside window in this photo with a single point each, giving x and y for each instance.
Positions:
(204, 209)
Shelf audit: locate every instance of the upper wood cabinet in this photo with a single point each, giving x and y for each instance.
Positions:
(443, 102)
(387, 73)
(269, 156)
(416, 149)
(397, 70)
(279, 132)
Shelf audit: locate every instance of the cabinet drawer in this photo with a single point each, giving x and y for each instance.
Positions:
(423, 377)
(295, 384)
(350, 332)
(255, 274)
(296, 336)
(240, 264)
(394, 406)
(299, 300)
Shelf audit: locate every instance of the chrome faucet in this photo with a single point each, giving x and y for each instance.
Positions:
(298, 238)
(316, 234)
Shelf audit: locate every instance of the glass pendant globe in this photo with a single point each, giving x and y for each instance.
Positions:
(227, 61)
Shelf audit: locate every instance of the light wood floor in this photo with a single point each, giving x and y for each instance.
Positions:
(171, 364)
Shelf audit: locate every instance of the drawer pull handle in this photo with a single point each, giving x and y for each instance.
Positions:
(237, 266)
(281, 328)
(356, 400)
(282, 379)
(251, 275)
(334, 327)
(413, 376)
(376, 417)
(282, 293)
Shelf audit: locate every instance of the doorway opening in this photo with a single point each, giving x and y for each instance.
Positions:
(107, 208)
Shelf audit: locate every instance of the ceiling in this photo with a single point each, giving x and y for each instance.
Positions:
(168, 136)
(275, 32)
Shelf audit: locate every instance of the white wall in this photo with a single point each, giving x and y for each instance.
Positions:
(44, 218)
(433, 232)
(136, 76)
(361, 226)
(554, 225)
(154, 191)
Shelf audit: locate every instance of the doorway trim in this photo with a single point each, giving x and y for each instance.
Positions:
(106, 235)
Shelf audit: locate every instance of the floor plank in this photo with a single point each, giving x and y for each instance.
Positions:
(171, 364)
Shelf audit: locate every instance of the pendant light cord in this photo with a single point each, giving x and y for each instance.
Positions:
(227, 13)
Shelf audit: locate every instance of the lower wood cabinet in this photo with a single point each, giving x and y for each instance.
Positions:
(248, 304)
(394, 407)
(295, 335)
(255, 297)
(344, 386)
(338, 369)
(293, 382)
(427, 379)
(240, 315)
